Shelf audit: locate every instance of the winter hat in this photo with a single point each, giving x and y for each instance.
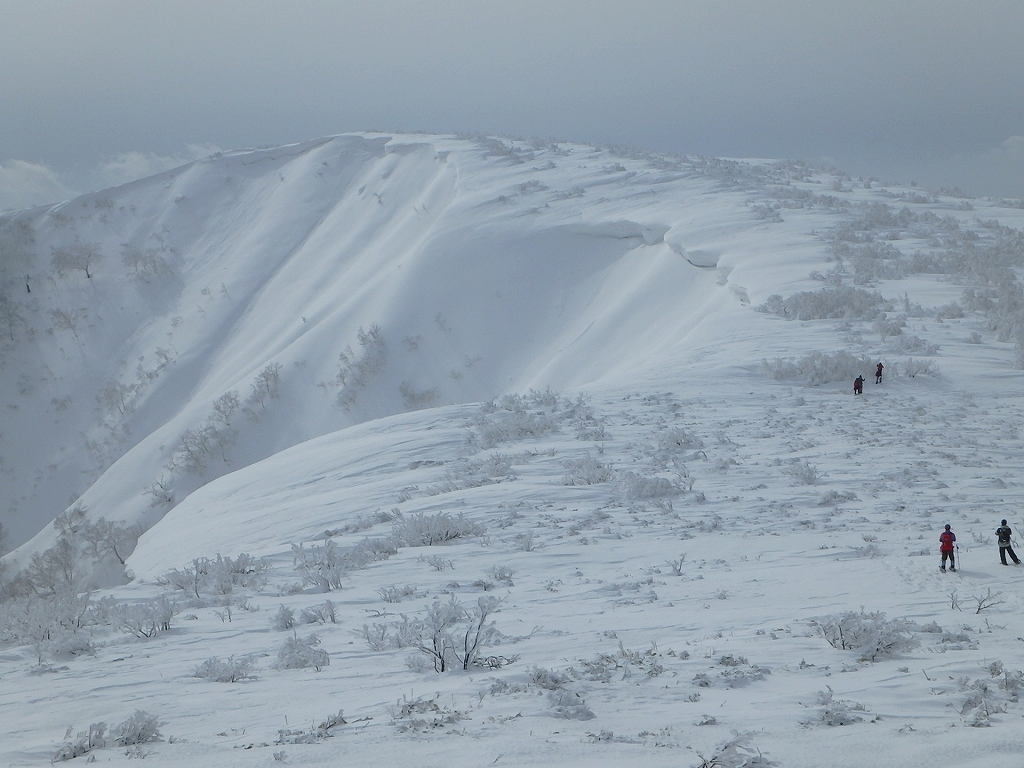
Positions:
(1003, 522)
(947, 526)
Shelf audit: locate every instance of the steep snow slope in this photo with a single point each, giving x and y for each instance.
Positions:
(486, 267)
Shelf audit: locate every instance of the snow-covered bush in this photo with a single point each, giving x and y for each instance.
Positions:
(140, 728)
(516, 417)
(284, 619)
(569, 705)
(423, 530)
(84, 743)
(819, 368)
(395, 594)
(449, 634)
(802, 472)
(912, 368)
(355, 370)
(219, 575)
(324, 730)
(914, 344)
(836, 712)
(871, 635)
(263, 388)
(635, 487)
(229, 670)
(420, 715)
(322, 567)
(81, 256)
(146, 619)
(585, 471)
(828, 303)
(301, 652)
(321, 613)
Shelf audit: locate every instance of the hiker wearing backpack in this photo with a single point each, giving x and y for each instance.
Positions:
(946, 541)
(878, 373)
(1003, 534)
(858, 385)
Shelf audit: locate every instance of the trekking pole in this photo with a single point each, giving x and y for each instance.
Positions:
(958, 563)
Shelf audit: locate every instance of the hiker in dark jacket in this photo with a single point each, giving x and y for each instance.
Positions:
(946, 541)
(1003, 534)
(878, 373)
(858, 385)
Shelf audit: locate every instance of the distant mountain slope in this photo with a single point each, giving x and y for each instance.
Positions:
(180, 327)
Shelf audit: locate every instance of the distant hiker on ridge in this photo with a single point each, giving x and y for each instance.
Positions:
(858, 385)
(1003, 534)
(878, 373)
(946, 541)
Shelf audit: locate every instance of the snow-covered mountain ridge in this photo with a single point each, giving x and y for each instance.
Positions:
(486, 266)
(673, 492)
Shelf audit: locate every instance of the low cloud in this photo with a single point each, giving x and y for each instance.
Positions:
(996, 172)
(130, 166)
(24, 185)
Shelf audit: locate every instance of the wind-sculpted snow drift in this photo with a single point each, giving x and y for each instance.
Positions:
(362, 276)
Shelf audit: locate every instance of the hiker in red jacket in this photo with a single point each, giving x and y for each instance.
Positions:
(858, 385)
(946, 541)
(878, 373)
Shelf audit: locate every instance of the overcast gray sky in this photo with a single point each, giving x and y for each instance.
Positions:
(95, 92)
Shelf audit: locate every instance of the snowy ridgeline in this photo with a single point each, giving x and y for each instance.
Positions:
(275, 360)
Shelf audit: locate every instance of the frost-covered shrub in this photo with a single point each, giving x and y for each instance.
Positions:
(473, 474)
(319, 614)
(802, 472)
(324, 730)
(837, 712)
(676, 440)
(912, 368)
(355, 370)
(585, 471)
(423, 530)
(229, 670)
(517, 417)
(301, 652)
(569, 705)
(197, 445)
(548, 679)
(284, 619)
(819, 368)
(903, 345)
(264, 387)
(830, 498)
(54, 625)
(140, 728)
(395, 594)
(322, 567)
(635, 487)
(219, 575)
(148, 618)
(449, 634)
(828, 303)
(871, 635)
(84, 743)
(420, 715)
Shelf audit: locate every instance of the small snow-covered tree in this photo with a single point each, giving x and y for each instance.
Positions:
(301, 652)
(83, 256)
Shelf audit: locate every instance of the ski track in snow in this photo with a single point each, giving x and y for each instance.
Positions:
(658, 668)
